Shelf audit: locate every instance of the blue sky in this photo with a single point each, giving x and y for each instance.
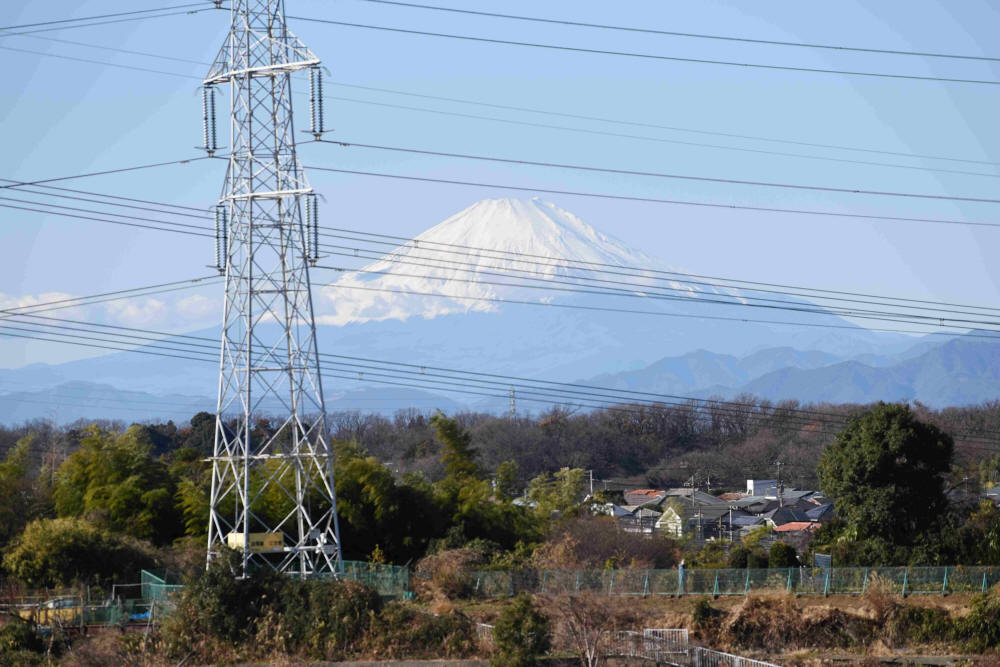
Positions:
(62, 117)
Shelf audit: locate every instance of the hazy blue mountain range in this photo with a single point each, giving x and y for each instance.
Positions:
(960, 371)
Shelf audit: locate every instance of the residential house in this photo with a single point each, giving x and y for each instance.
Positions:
(640, 520)
(821, 514)
(644, 496)
(682, 518)
(782, 515)
(762, 487)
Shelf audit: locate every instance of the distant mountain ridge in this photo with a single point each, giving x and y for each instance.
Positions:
(960, 371)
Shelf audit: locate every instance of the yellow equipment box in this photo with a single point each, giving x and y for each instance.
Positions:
(258, 541)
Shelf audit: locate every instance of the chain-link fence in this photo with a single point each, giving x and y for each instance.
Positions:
(388, 580)
(706, 581)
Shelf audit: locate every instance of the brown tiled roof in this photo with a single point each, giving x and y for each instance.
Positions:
(796, 525)
(732, 496)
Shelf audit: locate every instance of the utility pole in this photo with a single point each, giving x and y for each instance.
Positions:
(781, 500)
(269, 362)
(513, 404)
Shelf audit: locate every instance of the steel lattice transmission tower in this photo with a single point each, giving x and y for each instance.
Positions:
(273, 495)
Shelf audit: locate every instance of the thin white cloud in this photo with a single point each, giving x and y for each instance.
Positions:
(137, 311)
(197, 306)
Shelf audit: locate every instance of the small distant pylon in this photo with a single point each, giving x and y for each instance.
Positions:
(273, 498)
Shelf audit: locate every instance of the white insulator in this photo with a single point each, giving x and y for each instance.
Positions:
(312, 101)
(315, 228)
(221, 238)
(312, 232)
(211, 108)
(204, 117)
(319, 99)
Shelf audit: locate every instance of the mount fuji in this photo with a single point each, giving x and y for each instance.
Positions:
(497, 287)
(507, 286)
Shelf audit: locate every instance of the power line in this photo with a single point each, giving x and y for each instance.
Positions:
(119, 197)
(617, 394)
(684, 34)
(702, 300)
(625, 270)
(654, 174)
(117, 215)
(634, 290)
(663, 140)
(188, 12)
(673, 128)
(104, 47)
(631, 290)
(103, 63)
(45, 305)
(545, 394)
(539, 111)
(107, 203)
(102, 16)
(650, 56)
(105, 220)
(631, 311)
(655, 200)
(102, 173)
(556, 262)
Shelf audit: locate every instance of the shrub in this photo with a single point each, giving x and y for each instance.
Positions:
(403, 631)
(783, 555)
(217, 605)
(521, 635)
(757, 558)
(981, 626)
(446, 574)
(324, 620)
(19, 636)
(59, 552)
(704, 615)
(738, 557)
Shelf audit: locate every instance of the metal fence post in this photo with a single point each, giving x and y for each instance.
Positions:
(545, 578)
(864, 584)
(715, 586)
(826, 583)
(746, 586)
(611, 584)
(984, 582)
(906, 575)
(645, 585)
(944, 582)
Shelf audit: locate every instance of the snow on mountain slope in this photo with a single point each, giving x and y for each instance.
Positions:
(439, 262)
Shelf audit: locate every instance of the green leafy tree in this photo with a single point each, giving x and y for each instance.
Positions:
(458, 455)
(15, 490)
(559, 492)
(376, 510)
(115, 481)
(506, 480)
(59, 552)
(521, 635)
(466, 501)
(885, 473)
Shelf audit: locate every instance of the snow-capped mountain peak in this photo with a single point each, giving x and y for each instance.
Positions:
(474, 256)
